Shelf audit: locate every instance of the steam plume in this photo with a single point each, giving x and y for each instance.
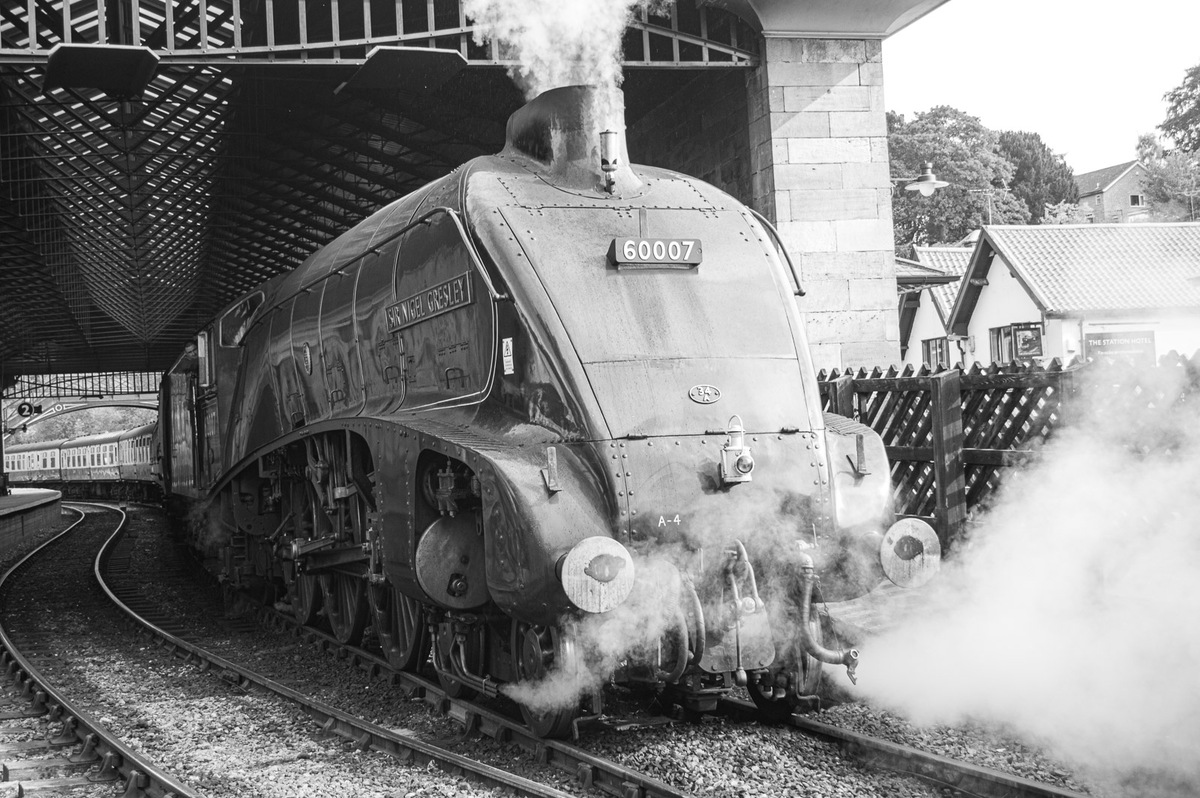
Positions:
(557, 42)
(603, 641)
(1072, 616)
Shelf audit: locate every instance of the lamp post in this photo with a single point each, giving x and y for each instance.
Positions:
(925, 183)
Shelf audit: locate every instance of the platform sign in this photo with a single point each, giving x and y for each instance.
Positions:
(1129, 346)
(27, 409)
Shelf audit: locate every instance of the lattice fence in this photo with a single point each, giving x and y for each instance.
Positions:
(951, 434)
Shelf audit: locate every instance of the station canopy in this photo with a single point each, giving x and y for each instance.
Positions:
(158, 158)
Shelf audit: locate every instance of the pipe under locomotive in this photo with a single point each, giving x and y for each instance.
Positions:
(550, 420)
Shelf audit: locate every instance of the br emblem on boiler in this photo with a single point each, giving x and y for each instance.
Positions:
(704, 394)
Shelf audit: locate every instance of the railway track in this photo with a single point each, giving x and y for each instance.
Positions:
(49, 742)
(588, 771)
(939, 771)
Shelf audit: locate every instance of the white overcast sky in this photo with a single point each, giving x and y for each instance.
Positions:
(1087, 75)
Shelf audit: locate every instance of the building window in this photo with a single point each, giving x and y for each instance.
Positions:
(1001, 339)
(935, 352)
(1136, 200)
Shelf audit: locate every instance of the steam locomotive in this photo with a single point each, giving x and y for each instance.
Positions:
(550, 422)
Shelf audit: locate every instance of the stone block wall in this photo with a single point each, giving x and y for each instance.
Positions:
(820, 171)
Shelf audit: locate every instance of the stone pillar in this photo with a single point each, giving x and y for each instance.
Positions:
(819, 170)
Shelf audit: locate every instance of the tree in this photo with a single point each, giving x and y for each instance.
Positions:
(1040, 177)
(1172, 186)
(1148, 148)
(1063, 213)
(1183, 112)
(966, 154)
(91, 421)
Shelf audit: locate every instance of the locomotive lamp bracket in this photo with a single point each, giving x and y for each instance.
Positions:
(859, 461)
(737, 464)
(550, 472)
(608, 158)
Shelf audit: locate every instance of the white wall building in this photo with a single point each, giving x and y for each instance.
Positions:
(923, 337)
(1039, 292)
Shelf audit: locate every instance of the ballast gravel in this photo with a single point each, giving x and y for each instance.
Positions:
(715, 757)
(271, 748)
(204, 731)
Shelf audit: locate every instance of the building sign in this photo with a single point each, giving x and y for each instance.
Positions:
(1133, 346)
(454, 293)
(1027, 340)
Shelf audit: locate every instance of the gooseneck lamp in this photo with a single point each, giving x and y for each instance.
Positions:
(926, 182)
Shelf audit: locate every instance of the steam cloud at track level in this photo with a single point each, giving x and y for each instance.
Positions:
(1071, 614)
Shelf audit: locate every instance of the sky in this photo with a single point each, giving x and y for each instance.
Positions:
(1088, 76)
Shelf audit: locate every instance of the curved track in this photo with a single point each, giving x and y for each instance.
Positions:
(588, 771)
(95, 758)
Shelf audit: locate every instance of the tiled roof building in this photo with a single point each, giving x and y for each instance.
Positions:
(1113, 194)
(923, 314)
(1078, 284)
(948, 260)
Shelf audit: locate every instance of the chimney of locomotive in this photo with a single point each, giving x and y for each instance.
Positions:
(577, 133)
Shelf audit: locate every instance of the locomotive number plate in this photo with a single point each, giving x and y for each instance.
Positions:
(454, 293)
(655, 253)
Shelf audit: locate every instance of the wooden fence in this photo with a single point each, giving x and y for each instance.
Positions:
(951, 434)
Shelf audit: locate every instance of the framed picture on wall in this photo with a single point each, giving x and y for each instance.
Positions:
(1027, 340)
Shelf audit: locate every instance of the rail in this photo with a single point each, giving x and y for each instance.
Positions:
(589, 771)
(141, 776)
(940, 771)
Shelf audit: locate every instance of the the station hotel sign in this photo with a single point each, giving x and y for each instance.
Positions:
(1131, 346)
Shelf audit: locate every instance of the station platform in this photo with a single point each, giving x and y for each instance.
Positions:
(26, 513)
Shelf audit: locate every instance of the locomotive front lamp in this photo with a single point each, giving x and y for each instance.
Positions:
(736, 460)
(608, 157)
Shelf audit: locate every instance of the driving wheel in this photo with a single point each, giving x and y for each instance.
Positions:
(345, 597)
(400, 627)
(538, 649)
(305, 595)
